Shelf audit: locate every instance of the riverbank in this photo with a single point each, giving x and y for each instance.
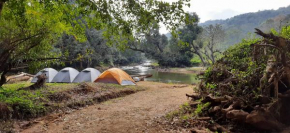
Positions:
(186, 70)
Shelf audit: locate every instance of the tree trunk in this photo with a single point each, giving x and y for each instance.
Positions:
(201, 58)
(3, 78)
(212, 54)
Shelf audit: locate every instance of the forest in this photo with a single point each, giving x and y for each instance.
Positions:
(220, 76)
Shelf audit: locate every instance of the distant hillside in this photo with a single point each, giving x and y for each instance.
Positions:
(239, 26)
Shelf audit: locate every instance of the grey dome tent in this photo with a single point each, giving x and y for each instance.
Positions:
(66, 75)
(87, 75)
(49, 72)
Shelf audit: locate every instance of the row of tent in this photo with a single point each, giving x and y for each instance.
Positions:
(71, 75)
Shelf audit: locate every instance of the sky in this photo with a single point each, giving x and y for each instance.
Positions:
(223, 9)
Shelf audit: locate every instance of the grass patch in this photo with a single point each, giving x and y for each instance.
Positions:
(25, 104)
(184, 113)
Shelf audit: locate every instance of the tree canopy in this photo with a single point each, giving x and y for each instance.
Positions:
(29, 28)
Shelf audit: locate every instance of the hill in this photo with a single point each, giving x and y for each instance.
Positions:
(239, 26)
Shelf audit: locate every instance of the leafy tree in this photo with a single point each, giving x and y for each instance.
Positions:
(189, 37)
(166, 52)
(30, 27)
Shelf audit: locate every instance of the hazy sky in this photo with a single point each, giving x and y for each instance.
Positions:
(222, 9)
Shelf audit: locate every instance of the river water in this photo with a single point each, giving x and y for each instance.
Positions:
(166, 77)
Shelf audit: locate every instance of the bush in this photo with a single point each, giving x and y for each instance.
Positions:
(237, 67)
(195, 61)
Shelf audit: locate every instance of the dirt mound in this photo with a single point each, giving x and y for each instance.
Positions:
(84, 88)
(60, 96)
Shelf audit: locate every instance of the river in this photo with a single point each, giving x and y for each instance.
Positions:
(166, 77)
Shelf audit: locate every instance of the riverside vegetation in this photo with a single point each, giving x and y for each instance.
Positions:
(246, 89)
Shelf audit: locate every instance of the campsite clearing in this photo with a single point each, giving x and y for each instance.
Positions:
(133, 113)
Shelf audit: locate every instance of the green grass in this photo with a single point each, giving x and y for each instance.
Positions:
(195, 60)
(21, 102)
(184, 113)
(16, 86)
(33, 103)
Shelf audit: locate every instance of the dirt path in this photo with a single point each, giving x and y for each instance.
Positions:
(132, 113)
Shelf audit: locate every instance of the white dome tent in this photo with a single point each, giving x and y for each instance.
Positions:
(49, 73)
(66, 75)
(87, 75)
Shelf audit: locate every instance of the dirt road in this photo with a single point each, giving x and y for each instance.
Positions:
(132, 113)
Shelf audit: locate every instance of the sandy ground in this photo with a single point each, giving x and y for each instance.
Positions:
(130, 114)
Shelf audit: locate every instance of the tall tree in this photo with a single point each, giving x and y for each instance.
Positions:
(189, 34)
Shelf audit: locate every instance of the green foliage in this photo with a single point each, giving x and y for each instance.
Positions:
(286, 32)
(211, 86)
(195, 61)
(29, 28)
(22, 103)
(95, 51)
(200, 107)
(236, 70)
(239, 55)
(184, 113)
(166, 52)
(207, 72)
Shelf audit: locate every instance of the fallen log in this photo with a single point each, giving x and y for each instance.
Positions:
(237, 115)
(214, 100)
(20, 77)
(193, 97)
(264, 120)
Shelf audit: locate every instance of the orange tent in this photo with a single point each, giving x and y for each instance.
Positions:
(117, 76)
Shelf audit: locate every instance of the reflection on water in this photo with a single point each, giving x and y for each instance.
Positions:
(166, 77)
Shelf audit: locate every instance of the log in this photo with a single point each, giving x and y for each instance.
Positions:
(237, 115)
(234, 105)
(193, 97)
(264, 120)
(214, 100)
(20, 77)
